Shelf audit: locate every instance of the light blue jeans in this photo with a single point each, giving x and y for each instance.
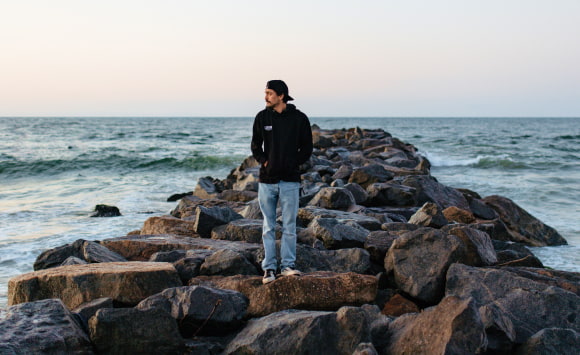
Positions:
(288, 195)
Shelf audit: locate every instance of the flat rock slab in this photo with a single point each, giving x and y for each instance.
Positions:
(312, 291)
(126, 283)
(141, 247)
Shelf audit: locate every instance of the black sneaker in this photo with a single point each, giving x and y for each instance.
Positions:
(269, 276)
(289, 271)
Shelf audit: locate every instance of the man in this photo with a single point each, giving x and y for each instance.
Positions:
(281, 141)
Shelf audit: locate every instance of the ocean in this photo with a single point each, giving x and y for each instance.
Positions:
(55, 170)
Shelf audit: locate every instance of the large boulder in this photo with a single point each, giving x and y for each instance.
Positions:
(96, 253)
(132, 331)
(531, 306)
(42, 327)
(56, 256)
(303, 332)
(208, 218)
(522, 226)
(419, 261)
(246, 230)
(389, 194)
(334, 198)
(480, 250)
(428, 189)
(311, 291)
(452, 327)
(169, 225)
(337, 235)
(370, 174)
(567, 280)
(127, 283)
(227, 262)
(515, 254)
(199, 309)
(554, 341)
(429, 215)
(309, 213)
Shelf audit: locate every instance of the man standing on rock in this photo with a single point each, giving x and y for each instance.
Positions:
(281, 141)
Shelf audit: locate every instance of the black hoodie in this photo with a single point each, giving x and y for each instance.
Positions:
(284, 140)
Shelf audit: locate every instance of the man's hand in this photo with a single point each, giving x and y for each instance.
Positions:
(265, 163)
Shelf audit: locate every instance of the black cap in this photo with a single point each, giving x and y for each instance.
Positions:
(280, 87)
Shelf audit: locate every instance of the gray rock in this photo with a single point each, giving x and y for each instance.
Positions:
(452, 327)
(206, 188)
(531, 306)
(96, 253)
(56, 256)
(252, 210)
(337, 235)
(370, 174)
(522, 226)
(247, 230)
(359, 194)
(208, 218)
(238, 196)
(429, 216)
(419, 261)
(499, 329)
(302, 332)
(73, 260)
(429, 190)
(133, 331)
(390, 194)
(307, 214)
(42, 327)
(378, 243)
(88, 309)
(106, 211)
(515, 254)
(480, 250)
(551, 341)
(168, 256)
(227, 262)
(199, 309)
(334, 198)
(343, 172)
(365, 349)
(190, 265)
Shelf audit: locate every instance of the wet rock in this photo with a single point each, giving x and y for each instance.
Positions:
(554, 341)
(370, 174)
(419, 261)
(106, 211)
(132, 331)
(208, 218)
(522, 226)
(337, 235)
(199, 309)
(169, 225)
(389, 194)
(126, 283)
(334, 198)
(452, 327)
(321, 290)
(429, 216)
(531, 306)
(42, 327)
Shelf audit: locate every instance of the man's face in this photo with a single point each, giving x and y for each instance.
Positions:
(272, 98)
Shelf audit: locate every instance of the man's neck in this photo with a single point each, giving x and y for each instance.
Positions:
(281, 107)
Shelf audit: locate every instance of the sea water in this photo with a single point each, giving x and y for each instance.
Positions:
(55, 170)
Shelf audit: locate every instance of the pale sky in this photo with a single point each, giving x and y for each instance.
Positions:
(339, 58)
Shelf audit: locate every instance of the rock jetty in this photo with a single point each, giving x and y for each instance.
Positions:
(394, 262)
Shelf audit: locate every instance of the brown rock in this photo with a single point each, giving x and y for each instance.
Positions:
(399, 305)
(479, 247)
(169, 225)
(125, 282)
(429, 216)
(452, 327)
(456, 214)
(312, 291)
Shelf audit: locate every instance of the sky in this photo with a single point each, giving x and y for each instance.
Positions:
(339, 58)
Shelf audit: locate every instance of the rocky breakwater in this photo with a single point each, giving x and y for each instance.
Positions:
(394, 262)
